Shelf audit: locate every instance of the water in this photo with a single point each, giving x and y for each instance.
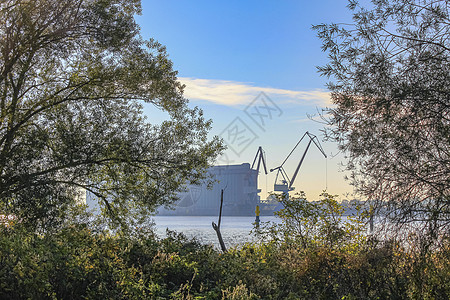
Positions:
(235, 230)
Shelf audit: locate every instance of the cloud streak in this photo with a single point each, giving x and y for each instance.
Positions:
(232, 93)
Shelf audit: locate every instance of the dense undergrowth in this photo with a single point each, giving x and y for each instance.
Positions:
(329, 260)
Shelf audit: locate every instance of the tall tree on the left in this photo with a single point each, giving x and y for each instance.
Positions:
(74, 75)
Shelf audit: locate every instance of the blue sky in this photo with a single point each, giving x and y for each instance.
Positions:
(251, 66)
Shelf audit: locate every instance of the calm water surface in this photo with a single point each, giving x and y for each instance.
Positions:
(235, 230)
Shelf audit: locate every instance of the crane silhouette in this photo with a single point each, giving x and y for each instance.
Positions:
(285, 185)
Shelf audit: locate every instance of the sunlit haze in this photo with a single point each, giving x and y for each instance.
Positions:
(251, 67)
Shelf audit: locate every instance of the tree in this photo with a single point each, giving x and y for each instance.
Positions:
(391, 115)
(74, 76)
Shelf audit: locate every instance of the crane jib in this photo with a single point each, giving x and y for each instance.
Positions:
(286, 183)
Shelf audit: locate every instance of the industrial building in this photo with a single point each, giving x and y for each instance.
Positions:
(240, 194)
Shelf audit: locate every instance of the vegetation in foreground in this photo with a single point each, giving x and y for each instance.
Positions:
(74, 78)
(311, 254)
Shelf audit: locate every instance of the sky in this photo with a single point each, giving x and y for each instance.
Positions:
(251, 67)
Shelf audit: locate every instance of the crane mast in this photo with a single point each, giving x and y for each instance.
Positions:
(260, 156)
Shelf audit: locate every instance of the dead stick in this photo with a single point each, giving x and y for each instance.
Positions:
(217, 227)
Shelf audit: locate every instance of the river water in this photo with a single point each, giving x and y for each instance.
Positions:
(235, 230)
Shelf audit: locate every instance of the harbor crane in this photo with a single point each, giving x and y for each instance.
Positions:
(260, 153)
(260, 156)
(286, 184)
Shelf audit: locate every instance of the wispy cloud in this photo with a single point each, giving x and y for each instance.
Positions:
(232, 93)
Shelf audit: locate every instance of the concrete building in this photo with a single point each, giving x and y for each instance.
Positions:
(240, 194)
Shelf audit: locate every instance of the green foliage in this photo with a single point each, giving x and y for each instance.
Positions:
(81, 262)
(74, 79)
(308, 224)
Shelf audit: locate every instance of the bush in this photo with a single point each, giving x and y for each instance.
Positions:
(327, 259)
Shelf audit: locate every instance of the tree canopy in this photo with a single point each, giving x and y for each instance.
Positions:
(390, 73)
(74, 75)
